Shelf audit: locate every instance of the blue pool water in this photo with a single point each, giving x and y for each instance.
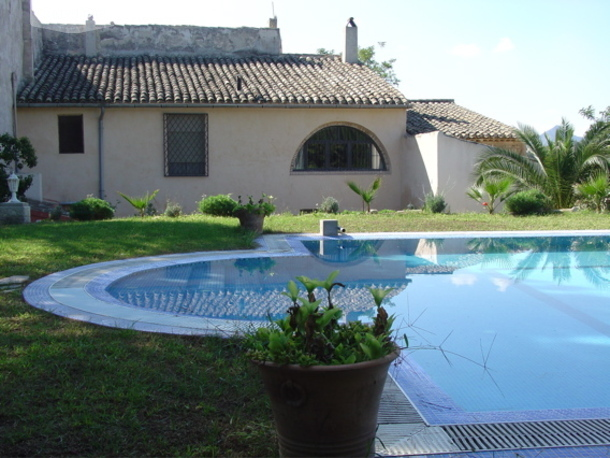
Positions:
(499, 328)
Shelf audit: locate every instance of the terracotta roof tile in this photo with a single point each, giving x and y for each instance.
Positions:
(444, 115)
(287, 79)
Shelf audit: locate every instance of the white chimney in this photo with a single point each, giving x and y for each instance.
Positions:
(350, 53)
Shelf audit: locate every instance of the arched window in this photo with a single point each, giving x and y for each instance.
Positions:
(338, 148)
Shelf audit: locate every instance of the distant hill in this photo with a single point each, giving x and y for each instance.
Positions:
(551, 134)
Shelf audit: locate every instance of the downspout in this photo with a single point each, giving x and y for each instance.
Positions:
(14, 94)
(100, 147)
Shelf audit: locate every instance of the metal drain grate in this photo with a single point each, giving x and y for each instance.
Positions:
(502, 436)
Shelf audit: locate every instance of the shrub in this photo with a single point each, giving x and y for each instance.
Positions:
(172, 209)
(219, 205)
(329, 205)
(530, 202)
(142, 204)
(18, 153)
(91, 208)
(260, 207)
(434, 203)
(56, 213)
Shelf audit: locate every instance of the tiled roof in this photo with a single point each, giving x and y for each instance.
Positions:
(284, 80)
(444, 115)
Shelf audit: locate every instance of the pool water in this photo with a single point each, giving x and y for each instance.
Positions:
(496, 326)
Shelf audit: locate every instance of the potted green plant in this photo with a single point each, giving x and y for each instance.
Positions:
(252, 214)
(324, 375)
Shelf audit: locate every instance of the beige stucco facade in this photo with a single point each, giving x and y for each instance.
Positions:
(251, 151)
(443, 165)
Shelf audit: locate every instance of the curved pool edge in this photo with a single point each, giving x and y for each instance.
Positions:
(79, 293)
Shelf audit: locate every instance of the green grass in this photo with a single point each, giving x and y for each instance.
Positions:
(70, 388)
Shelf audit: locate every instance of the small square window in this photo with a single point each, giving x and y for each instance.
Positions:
(71, 138)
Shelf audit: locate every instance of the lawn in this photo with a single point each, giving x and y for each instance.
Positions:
(69, 388)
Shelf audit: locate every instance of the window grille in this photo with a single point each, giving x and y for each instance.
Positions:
(339, 148)
(185, 144)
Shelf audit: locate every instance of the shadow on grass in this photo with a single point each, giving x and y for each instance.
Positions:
(40, 249)
(71, 388)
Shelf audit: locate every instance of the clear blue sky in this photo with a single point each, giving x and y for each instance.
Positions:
(519, 61)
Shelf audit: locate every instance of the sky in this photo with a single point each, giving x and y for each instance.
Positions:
(529, 62)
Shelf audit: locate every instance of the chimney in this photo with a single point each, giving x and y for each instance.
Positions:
(90, 37)
(350, 54)
(273, 22)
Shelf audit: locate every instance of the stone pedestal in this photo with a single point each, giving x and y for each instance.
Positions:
(329, 227)
(14, 213)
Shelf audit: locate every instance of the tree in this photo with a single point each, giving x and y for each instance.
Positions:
(140, 203)
(489, 191)
(15, 153)
(594, 193)
(384, 69)
(552, 168)
(367, 195)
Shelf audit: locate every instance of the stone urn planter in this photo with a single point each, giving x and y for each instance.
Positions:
(326, 410)
(251, 214)
(250, 221)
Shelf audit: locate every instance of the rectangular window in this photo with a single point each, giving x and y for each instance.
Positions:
(71, 137)
(185, 144)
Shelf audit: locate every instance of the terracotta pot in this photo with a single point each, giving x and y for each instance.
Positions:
(251, 221)
(326, 410)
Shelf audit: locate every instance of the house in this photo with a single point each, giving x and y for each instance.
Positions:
(196, 111)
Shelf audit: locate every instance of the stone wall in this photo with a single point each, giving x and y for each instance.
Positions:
(114, 40)
(11, 58)
(21, 45)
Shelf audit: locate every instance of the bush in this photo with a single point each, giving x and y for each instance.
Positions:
(91, 208)
(173, 209)
(329, 205)
(219, 205)
(434, 203)
(531, 202)
(56, 213)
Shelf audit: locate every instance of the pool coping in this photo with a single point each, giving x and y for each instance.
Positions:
(78, 293)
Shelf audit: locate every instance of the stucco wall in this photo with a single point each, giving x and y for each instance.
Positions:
(250, 152)
(440, 164)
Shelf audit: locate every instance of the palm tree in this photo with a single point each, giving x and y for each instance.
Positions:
(140, 203)
(553, 168)
(367, 195)
(594, 192)
(495, 189)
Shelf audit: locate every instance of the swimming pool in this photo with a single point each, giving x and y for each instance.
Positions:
(500, 328)
(82, 293)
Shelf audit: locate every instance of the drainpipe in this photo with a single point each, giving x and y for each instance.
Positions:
(100, 147)
(14, 94)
